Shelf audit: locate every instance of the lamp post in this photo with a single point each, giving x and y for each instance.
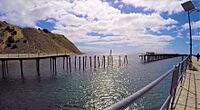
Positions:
(189, 7)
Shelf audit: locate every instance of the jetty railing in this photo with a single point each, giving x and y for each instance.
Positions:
(177, 72)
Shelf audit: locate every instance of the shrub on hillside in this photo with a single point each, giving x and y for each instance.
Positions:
(8, 45)
(13, 46)
(14, 33)
(1, 40)
(46, 31)
(24, 41)
(11, 39)
(9, 29)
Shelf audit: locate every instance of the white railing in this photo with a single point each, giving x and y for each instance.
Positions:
(177, 72)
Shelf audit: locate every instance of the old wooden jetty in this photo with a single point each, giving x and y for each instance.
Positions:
(150, 57)
(80, 61)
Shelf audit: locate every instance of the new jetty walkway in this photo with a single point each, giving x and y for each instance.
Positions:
(188, 93)
(151, 56)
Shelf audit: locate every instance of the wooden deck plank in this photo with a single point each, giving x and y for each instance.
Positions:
(188, 95)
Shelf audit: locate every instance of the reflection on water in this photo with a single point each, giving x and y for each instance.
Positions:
(87, 89)
(106, 88)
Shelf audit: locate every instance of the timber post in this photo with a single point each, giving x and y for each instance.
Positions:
(90, 61)
(21, 68)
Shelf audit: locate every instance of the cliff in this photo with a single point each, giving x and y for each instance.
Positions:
(14, 39)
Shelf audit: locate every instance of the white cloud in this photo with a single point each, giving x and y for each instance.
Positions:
(194, 25)
(95, 16)
(169, 6)
(196, 37)
(28, 12)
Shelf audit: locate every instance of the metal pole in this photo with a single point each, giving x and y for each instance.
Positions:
(190, 37)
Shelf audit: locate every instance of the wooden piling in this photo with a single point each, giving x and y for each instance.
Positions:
(90, 61)
(70, 67)
(50, 64)
(3, 69)
(38, 66)
(6, 66)
(2, 72)
(21, 68)
(120, 60)
(75, 63)
(67, 63)
(98, 60)
(55, 66)
(126, 57)
(95, 61)
(108, 60)
(79, 62)
(104, 61)
(83, 63)
(111, 60)
(63, 63)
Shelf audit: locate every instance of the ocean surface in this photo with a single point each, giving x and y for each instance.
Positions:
(83, 90)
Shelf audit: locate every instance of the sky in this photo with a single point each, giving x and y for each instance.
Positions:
(128, 26)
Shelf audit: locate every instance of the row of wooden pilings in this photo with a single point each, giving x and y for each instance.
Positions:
(80, 63)
(151, 58)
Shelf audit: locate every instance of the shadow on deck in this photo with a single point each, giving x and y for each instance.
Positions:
(188, 94)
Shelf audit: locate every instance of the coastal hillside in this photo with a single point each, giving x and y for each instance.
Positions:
(14, 39)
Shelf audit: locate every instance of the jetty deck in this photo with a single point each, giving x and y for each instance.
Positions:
(32, 56)
(188, 93)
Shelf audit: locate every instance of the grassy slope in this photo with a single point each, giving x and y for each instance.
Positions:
(29, 40)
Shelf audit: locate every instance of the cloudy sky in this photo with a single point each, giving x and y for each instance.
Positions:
(132, 26)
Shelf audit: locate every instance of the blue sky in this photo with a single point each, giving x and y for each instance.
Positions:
(131, 26)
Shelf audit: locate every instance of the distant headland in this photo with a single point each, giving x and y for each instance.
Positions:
(14, 39)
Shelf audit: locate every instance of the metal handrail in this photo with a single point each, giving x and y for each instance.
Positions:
(173, 89)
(126, 102)
(164, 106)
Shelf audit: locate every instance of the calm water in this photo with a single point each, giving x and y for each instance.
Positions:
(82, 90)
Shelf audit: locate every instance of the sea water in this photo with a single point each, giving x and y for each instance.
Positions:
(91, 89)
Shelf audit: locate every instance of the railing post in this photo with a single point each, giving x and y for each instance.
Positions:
(173, 86)
(181, 74)
(184, 67)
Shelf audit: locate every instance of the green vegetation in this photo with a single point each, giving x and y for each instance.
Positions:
(14, 39)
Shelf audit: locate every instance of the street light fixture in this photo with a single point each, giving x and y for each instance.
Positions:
(189, 7)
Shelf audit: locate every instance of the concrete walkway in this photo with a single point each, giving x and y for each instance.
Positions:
(188, 95)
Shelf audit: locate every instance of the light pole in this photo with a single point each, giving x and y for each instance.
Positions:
(189, 7)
